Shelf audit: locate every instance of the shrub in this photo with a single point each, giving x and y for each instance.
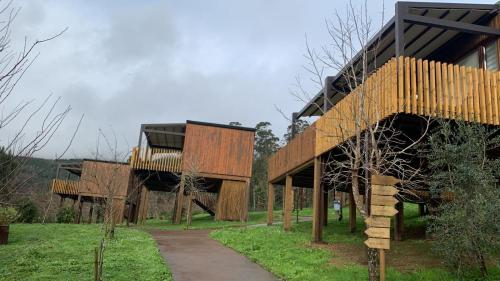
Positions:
(28, 212)
(7, 215)
(66, 215)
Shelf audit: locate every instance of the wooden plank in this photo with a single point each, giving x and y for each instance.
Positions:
(446, 93)
(432, 94)
(427, 104)
(384, 211)
(482, 98)
(400, 86)
(420, 87)
(407, 86)
(378, 243)
(439, 90)
(378, 232)
(494, 97)
(288, 201)
(384, 180)
(475, 82)
(383, 200)
(451, 92)
(413, 86)
(465, 94)
(458, 94)
(373, 221)
(488, 101)
(270, 204)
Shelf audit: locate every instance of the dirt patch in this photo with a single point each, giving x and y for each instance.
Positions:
(405, 256)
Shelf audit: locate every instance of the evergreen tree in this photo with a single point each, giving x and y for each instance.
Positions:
(300, 126)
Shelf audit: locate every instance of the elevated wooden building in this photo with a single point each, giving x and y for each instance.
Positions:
(431, 59)
(203, 163)
(96, 181)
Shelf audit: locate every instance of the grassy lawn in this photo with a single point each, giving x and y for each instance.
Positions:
(290, 255)
(66, 252)
(205, 221)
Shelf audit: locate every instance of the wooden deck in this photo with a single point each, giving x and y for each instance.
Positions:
(156, 159)
(65, 187)
(403, 85)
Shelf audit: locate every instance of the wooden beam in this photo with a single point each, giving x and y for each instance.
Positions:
(317, 229)
(352, 213)
(270, 204)
(190, 209)
(180, 202)
(398, 222)
(452, 25)
(288, 203)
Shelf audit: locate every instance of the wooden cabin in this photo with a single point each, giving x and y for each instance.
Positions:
(207, 164)
(431, 59)
(93, 182)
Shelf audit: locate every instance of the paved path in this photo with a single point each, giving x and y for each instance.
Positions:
(193, 255)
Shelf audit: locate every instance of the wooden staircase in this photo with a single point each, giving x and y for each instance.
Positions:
(207, 201)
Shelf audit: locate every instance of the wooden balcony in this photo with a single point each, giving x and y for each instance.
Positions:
(403, 85)
(65, 187)
(156, 159)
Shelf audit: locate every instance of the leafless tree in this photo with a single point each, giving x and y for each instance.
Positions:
(43, 118)
(371, 144)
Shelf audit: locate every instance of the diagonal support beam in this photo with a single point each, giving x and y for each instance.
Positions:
(451, 25)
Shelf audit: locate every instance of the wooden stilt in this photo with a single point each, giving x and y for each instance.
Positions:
(317, 229)
(382, 264)
(288, 202)
(190, 209)
(325, 207)
(180, 201)
(91, 213)
(399, 223)
(270, 203)
(352, 213)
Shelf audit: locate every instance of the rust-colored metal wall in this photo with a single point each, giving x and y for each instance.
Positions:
(218, 150)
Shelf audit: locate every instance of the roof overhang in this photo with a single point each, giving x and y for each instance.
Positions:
(417, 30)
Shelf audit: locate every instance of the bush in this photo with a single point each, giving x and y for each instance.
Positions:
(7, 215)
(66, 215)
(28, 212)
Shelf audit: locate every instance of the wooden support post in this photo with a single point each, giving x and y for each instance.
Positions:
(399, 223)
(91, 213)
(180, 201)
(317, 229)
(270, 203)
(79, 210)
(421, 209)
(190, 209)
(288, 203)
(325, 206)
(352, 213)
(382, 264)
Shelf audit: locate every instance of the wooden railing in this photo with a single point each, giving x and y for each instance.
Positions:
(297, 152)
(403, 85)
(157, 159)
(68, 187)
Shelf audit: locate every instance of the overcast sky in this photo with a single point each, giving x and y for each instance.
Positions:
(123, 63)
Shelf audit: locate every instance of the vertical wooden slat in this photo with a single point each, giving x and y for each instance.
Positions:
(458, 92)
(470, 93)
(445, 99)
(432, 98)
(439, 90)
(407, 86)
(488, 100)
(427, 105)
(420, 89)
(482, 99)
(494, 97)
(475, 82)
(413, 86)
(394, 86)
(400, 86)
(451, 91)
(465, 94)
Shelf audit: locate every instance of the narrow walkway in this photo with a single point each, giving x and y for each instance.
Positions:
(193, 255)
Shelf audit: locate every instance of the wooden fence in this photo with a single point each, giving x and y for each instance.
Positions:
(67, 187)
(157, 159)
(402, 85)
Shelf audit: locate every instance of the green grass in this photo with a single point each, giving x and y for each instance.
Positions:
(290, 255)
(205, 221)
(66, 252)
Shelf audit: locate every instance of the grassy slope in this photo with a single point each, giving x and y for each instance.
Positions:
(66, 252)
(289, 255)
